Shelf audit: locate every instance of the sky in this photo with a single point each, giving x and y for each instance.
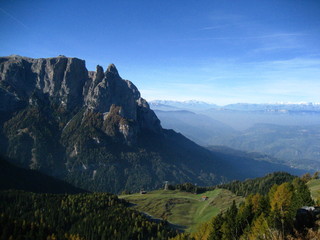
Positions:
(218, 51)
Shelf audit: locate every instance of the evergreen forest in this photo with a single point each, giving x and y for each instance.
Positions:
(25, 215)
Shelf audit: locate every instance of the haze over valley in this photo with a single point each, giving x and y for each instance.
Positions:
(287, 132)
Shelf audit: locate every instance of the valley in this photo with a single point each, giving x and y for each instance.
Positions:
(287, 133)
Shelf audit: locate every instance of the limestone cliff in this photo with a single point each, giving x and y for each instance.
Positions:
(67, 84)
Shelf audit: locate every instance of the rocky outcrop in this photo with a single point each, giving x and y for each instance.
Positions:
(61, 78)
(66, 83)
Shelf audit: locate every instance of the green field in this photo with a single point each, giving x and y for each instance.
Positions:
(185, 210)
(314, 186)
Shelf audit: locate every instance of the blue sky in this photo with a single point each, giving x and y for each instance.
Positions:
(219, 51)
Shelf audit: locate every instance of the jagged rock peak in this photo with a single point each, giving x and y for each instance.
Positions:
(99, 73)
(99, 69)
(112, 69)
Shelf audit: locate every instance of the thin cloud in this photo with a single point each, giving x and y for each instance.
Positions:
(215, 27)
(275, 36)
(14, 19)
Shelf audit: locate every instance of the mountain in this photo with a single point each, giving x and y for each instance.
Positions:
(95, 131)
(13, 177)
(59, 118)
(276, 107)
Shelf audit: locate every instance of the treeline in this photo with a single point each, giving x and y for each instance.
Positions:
(260, 185)
(268, 216)
(25, 215)
(189, 187)
(241, 188)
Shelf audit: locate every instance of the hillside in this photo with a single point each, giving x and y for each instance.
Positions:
(297, 146)
(25, 215)
(260, 185)
(13, 177)
(184, 210)
(274, 214)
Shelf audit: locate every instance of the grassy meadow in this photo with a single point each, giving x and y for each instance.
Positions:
(183, 209)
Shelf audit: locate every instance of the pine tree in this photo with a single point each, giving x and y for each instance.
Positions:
(217, 222)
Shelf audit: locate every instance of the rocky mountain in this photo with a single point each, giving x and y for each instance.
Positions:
(94, 130)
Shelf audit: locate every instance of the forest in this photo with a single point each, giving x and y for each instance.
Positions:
(26, 215)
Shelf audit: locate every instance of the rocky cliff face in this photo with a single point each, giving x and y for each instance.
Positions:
(66, 83)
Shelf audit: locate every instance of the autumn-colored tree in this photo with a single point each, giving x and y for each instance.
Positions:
(260, 229)
(260, 204)
(281, 207)
(203, 231)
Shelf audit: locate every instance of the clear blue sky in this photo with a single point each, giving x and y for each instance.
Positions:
(220, 51)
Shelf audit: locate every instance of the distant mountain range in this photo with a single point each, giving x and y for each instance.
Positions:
(288, 132)
(194, 105)
(95, 131)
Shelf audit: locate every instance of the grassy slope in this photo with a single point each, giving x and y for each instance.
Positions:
(184, 209)
(314, 186)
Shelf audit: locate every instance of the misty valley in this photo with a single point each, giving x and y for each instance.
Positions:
(287, 133)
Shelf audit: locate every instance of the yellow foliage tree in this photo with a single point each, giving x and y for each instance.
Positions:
(203, 231)
(281, 207)
(282, 199)
(260, 229)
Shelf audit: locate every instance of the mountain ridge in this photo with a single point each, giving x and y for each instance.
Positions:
(94, 130)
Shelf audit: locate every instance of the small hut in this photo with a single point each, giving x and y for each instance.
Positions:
(204, 198)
